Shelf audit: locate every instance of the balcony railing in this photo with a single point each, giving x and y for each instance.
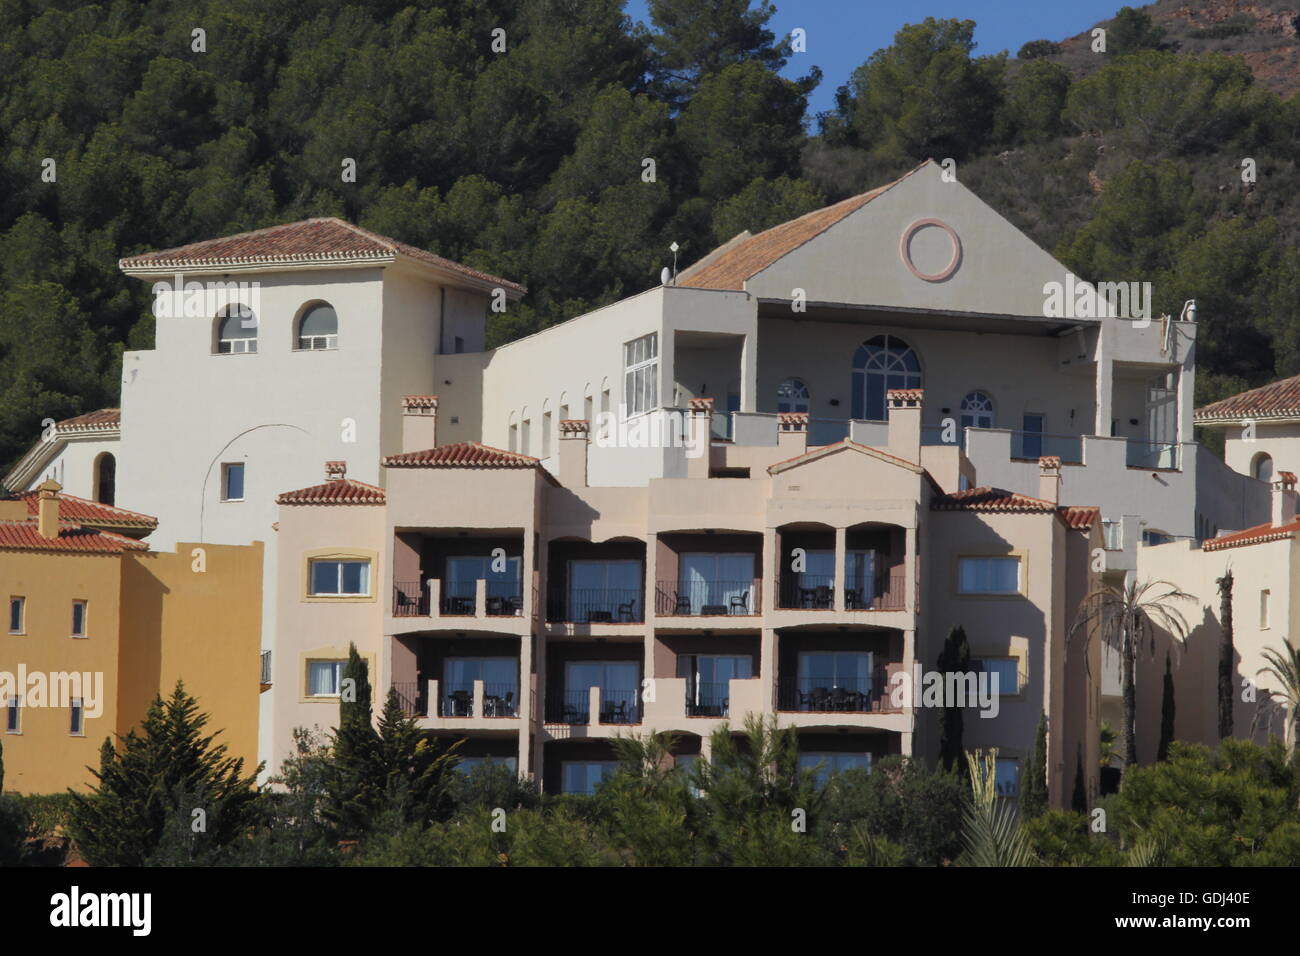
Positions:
(574, 707)
(1034, 445)
(886, 593)
(1149, 454)
(706, 598)
(708, 699)
(595, 605)
(819, 695)
(410, 599)
(266, 667)
(809, 591)
(411, 698)
(499, 700)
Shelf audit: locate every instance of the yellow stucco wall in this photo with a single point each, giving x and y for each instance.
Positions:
(200, 627)
(44, 757)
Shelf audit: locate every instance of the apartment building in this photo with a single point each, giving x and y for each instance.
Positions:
(537, 615)
(98, 624)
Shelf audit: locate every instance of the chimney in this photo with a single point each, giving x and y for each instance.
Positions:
(419, 422)
(791, 433)
(574, 435)
(699, 436)
(905, 423)
(1049, 479)
(1284, 498)
(336, 470)
(47, 513)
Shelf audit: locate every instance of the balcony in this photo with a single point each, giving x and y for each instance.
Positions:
(886, 592)
(1034, 445)
(841, 696)
(707, 598)
(481, 699)
(708, 699)
(1151, 454)
(611, 705)
(497, 598)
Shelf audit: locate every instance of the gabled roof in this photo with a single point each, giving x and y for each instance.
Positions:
(322, 241)
(1280, 399)
(25, 536)
(91, 513)
(743, 257)
(998, 501)
(342, 491)
(845, 444)
(1256, 535)
(469, 454)
(104, 423)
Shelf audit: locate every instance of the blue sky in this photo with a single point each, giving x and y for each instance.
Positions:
(843, 33)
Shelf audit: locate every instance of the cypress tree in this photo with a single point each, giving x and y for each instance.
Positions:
(355, 793)
(1033, 792)
(1167, 713)
(1226, 654)
(953, 658)
(1079, 799)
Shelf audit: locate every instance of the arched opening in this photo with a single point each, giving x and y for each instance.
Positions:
(792, 396)
(976, 411)
(318, 328)
(236, 329)
(1261, 467)
(105, 478)
(881, 363)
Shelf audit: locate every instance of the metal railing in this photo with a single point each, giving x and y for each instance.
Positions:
(574, 707)
(500, 699)
(888, 592)
(595, 605)
(266, 667)
(568, 707)
(808, 591)
(410, 599)
(699, 598)
(860, 695)
(410, 697)
(707, 699)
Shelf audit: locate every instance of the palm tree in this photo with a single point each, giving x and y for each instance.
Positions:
(990, 825)
(1124, 615)
(1284, 664)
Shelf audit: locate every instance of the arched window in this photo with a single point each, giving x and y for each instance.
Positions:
(319, 327)
(792, 396)
(881, 363)
(976, 410)
(105, 478)
(1262, 467)
(236, 329)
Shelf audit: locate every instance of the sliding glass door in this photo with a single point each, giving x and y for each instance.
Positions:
(722, 583)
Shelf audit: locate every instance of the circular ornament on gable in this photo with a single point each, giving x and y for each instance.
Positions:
(927, 242)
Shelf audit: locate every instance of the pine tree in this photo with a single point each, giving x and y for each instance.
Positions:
(1166, 713)
(415, 769)
(167, 768)
(1033, 792)
(953, 658)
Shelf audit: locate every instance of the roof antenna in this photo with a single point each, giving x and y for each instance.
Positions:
(674, 247)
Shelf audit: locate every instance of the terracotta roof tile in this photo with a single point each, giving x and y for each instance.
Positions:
(1256, 535)
(1080, 517)
(991, 499)
(24, 536)
(311, 240)
(470, 454)
(1278, 400)
(83, 511)
(96, 419)
(341, 491)
(741, 260)
(821, 450)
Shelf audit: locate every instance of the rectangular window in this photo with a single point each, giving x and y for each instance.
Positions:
(716, 583)
(232, 481)
(525, 436)
(341, 578)
(1032, 438)
(13, 716)
(459, 346)
(1007, 670)
(17, 608)
(78, 618)
(324, 678)
(1263, 607)
(546, 435)
(641, 374)
(988, 575)
(605, 591)
(76, 722)
(583, 776)
(1007, 777)
(825, 764)
(468, 765)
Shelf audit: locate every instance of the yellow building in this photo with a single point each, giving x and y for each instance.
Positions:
(97, 625)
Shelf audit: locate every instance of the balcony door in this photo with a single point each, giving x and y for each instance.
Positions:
(708, 678)
(619, 683)
(721, 582)
(500, 677)
(464, 572)
(860, 578)
(834, 674)
(605, 591)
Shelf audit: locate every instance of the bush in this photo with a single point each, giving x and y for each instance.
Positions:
(1038, 48)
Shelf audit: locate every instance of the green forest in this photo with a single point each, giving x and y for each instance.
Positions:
(513, 135)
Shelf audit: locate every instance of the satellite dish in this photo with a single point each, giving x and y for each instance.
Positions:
(664, 276)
